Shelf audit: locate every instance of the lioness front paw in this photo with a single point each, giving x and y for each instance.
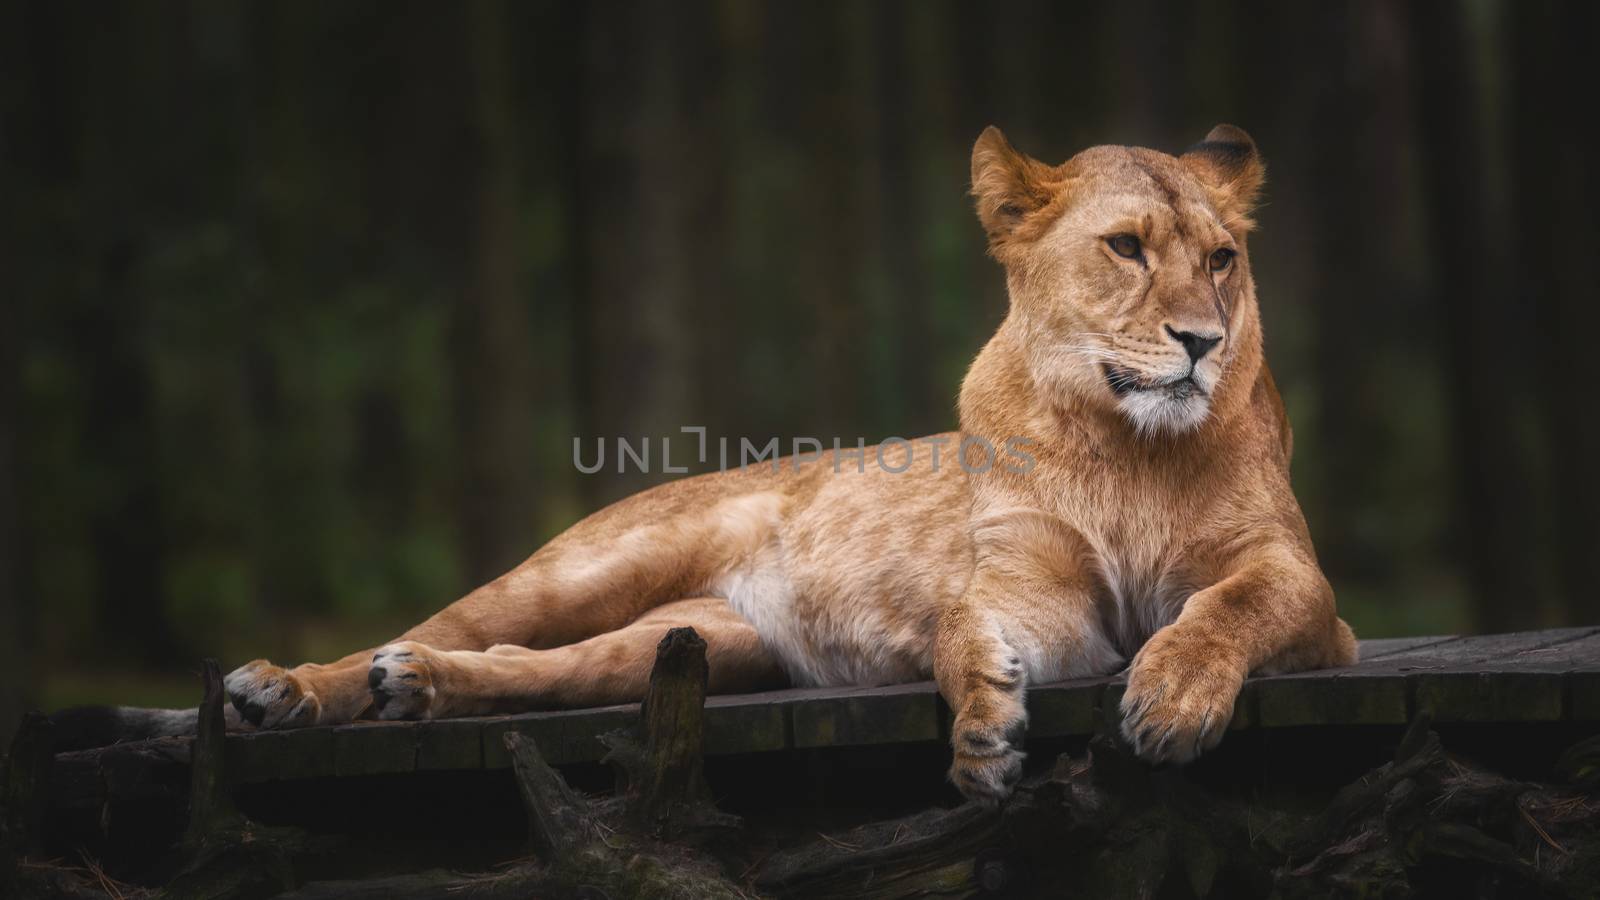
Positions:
(1180, 697)
(270, 697)
(987, 762)
(401, 681)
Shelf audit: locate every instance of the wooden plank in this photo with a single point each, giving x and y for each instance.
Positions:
(1578, 662)
(1494, 678)
(1069, 708)
(1583, 695)
(1108, 709)
(449, 744)
(279, 755)
(883, 715)
(1247, 708)
(581, 730)
(1471, 696)
(1375, 648)
(1386, 687)
(745, 723)
(1464, 652)
(1564, 655)
(541, 728)
(1347, 696)
(1064, 708)
(374, 748)
(1527, 676)
(562, 736)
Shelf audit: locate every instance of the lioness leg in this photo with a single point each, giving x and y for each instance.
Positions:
(662, 545)
(412, 680)
(1273, 612)
(269, 696)
(1028, 615)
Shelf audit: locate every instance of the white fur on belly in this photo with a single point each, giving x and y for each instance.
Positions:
(838, 651)
(760, 591)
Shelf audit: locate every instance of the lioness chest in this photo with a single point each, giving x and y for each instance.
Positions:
(1144, 534)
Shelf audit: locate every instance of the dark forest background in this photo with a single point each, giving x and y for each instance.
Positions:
(306, 302)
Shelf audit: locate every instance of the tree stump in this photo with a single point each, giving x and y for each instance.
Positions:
(210, 805)
(661, 796)
(661, 776)
(222, 853)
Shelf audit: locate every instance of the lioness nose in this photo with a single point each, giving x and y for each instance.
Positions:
(1196, 345)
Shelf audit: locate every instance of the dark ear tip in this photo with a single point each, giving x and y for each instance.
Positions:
(1230, 134)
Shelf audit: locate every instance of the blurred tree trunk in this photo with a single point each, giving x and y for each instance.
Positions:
(1143, 66)
(913, 402)
(978, 51)
(1357, 136)
(708, 109)
(1470, 298)
(128, 58)
(493, 391)
(1556, 197)
(16, 671)
(570, 122)
(638, 178)
(833, 79)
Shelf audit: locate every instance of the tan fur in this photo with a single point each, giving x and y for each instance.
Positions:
(1156, 524)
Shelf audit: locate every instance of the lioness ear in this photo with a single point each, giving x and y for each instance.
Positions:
(1229, 166)
(1007, 185)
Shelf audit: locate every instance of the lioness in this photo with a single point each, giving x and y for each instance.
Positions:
(1155, 521)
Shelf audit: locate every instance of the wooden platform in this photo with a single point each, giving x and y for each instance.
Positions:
(1543, 676)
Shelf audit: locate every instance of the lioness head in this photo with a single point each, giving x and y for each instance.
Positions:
(1127, 268)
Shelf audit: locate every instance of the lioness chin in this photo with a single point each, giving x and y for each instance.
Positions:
(1155, 522)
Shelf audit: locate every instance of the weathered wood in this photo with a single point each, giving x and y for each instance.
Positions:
(1104, 825)
(210, 803)
(745, 723)
(1378, 648)
(1497, 678)
(544, 729)
(661, 769)
(580, 860)
(933, 852)
(564, 736)
(1440, 676)
(26, 797)
(374, 748)
(559, 820)
(449, 745)
(673, 716)
(222, 853)
(1347, 696)
(281, 755)
(1534, 676)
(1430, 815)
(1064, 708)
(863, 716)
(518, 883)
(98, 784)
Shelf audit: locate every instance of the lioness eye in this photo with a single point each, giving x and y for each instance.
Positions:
(1221, 259)
(1124, 245)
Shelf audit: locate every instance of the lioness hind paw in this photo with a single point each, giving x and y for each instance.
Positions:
(271, 697)
(401, 682)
